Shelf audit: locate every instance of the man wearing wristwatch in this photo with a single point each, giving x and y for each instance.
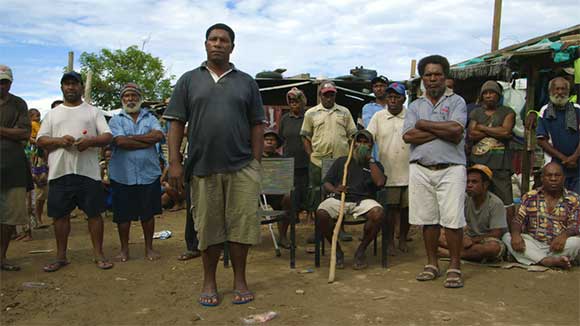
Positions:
(364, 178)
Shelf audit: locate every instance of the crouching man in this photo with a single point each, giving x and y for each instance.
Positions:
(545, 230)
(365, 177)
(486, 219)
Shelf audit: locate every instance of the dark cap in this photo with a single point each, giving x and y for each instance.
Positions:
(367, 134)
(279, 139)
(72, 74)
(380, 79)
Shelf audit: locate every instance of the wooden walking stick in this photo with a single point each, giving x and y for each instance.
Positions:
(332, 270)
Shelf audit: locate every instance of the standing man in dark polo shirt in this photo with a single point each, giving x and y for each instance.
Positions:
(434, 126)
(14, 132)
(226, 137)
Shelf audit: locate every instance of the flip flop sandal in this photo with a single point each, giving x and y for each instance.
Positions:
(9, 267)
(103, 264)
(429, 273)
(209, 298)
(454, 282)
(189, 255)
(248, 294)
(55, 266)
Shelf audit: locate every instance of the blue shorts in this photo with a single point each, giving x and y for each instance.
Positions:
(73, 190)
(135, 202)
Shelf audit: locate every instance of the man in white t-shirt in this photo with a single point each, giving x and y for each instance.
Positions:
(393, 153)
(72, 133)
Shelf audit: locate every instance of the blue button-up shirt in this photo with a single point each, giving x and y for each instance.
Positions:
(368, 111)
(450, 107)
(138, 166)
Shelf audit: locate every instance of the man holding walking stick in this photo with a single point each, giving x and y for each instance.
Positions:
(364, 177)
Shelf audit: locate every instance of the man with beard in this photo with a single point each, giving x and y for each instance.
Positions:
(14, 132)
(558, 133)
(134, 170)
(490, 130)
(485, 217)
(71, 133)
(365, 177)
(434, 126)
(226, 137)
(545, 231)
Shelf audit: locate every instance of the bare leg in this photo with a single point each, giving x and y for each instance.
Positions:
(124, 230)
(148, 230)
(239, 254)
(210, 258)
(561, 262)
(455, 244)
(479, 252)
(6, 232)
(39, 209)
(372, 226)
(61, 233)
(394, 216)
(96, 229)
(431, 240)
(404, 229)
(326, 228)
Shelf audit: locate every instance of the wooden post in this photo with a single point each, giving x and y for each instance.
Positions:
(413, 68)
(71, 58)
(496, 25)
(88, 85)
(529, 135)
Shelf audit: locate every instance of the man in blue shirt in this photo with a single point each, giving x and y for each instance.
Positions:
(379, 86)
(557, 131)
(134, 170)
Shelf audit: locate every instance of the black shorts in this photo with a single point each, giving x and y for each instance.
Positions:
(135, 202)
(73, 190)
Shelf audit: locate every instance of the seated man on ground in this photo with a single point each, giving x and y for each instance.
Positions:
(486, 219)
(171, 199)
(273, 141)
(545, 230)
(365, 177)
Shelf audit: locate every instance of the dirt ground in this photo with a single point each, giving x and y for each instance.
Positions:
(139, 292)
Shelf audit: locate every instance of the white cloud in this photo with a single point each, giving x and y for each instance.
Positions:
(321, 37)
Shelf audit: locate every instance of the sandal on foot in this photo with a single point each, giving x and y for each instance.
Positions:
(9, 267)
(55, 266)
(209, 299)
(248, 295)
(453, 282)
(190, 254)
(429, 273)
(103, 264)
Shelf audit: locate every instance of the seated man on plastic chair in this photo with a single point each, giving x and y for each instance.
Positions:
(365, 177)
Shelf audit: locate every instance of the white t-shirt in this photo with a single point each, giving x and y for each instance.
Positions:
(393, 151)
(64, 120)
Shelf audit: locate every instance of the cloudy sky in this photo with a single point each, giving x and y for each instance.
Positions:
(323, 38)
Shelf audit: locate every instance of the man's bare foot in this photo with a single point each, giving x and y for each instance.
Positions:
(560, 262)
(442, 252)
(121, 257)
(26, 238)
(360, 260)
(177, 207)
(403, 246)
(152, 255)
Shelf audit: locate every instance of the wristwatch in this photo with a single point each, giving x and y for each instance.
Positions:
(372, 161)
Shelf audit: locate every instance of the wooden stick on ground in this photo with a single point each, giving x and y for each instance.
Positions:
(332, 269)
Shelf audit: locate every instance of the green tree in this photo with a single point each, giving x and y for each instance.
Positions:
(113, 69)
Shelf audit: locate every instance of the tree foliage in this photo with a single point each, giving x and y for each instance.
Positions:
(113, 69)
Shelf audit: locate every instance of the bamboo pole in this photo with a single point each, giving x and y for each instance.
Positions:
(88, 85)
(413, 68)
(71, 58)
(496, 25)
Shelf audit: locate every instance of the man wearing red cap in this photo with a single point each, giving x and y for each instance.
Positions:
(326, 130)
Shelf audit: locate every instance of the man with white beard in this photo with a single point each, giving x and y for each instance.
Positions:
(557, 131)
(134, 170)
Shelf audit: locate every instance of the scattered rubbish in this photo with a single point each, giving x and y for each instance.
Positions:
(34, 285)
(120, 279)
(162, 235)
(300, 291)
(12, 305)
(260, 318)
(252, 308)
(306, 271)
(380, 297)
(42, 251)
